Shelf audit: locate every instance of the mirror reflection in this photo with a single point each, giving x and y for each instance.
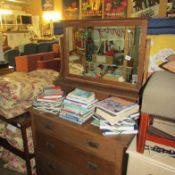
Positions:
(104, 52)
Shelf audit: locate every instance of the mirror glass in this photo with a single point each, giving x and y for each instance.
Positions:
(104, 52)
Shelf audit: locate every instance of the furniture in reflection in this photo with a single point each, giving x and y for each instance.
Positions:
(44, 47)
(157, 101)
(63, 147)
(30, 48)
(10, 55)
(4, 68)
(48, 60)
(22, 122)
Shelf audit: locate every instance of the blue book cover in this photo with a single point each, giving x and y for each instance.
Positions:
(81, 94)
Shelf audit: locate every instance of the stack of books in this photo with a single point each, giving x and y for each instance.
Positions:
(50, 100)
(126, 126)
(114, 115)
(78, 106)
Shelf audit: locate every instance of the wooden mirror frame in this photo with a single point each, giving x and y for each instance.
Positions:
(122, 89)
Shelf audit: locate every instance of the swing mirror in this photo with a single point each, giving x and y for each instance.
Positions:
(106, 51)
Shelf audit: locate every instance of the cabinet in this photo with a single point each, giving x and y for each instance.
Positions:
(65, 148)
(22, 122)
(149, 163)
(92, 52)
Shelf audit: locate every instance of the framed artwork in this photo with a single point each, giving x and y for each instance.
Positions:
(115, 8)
(47, 5)
(145, 8)
(71, 9)
(171, 8)
(91, 9)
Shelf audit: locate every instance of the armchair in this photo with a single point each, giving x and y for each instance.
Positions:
(158, 95)
(9, 57)
(30, 48)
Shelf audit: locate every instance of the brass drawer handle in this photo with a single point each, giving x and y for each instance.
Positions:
(51, 166)
(92, 165)
(92, 144)
(50, 145)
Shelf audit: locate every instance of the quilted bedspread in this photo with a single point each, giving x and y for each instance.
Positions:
(18, 89)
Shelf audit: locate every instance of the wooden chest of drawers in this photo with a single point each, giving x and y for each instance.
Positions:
(65, 148)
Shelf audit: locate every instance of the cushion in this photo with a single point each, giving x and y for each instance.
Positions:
(158, 95)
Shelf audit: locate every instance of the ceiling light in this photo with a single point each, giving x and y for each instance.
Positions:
(52, 16)
(5, 12)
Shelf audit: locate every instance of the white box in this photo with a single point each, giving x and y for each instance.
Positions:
(149, 163)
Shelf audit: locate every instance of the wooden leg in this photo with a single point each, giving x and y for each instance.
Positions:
(26, 149)
(144, 122)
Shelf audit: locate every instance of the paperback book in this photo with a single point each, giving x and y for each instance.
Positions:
(85, 105)
(108, 129)
(76, 109)
(115, 105)
(80, 95)
(79, 119)
(113, 119)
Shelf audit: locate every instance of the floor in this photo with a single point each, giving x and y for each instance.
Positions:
(5, 171)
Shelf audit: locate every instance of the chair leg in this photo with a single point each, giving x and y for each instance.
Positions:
(144, 122)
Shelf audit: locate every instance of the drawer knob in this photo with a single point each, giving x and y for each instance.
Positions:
(51, 166)
(48, 126)
(92, 165)
(50, 145)
(92, 144)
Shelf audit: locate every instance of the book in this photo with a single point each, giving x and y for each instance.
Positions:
(79, 119)
(80, 95)
(76, 109)
(113, 119)
(85, 105)
(115, 105)
(105, 126)
(108, 133)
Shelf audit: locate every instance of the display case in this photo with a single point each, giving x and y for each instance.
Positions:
(106, 56)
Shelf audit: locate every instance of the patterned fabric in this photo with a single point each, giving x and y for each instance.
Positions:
(18, 89)
(14, 137)
(49, 75)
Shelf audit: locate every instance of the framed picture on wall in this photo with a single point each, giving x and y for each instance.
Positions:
(115, 8)
(171, 8)
(145, 8)
(91, 9)
(47, 5)
(71, 9)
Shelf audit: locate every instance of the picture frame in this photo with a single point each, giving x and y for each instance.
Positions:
(71, 9)
(144, 8)
(115, 9)
(91, 9)
(47, 5)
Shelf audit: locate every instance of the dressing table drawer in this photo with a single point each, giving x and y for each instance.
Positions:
(80, 160)
(74, 136)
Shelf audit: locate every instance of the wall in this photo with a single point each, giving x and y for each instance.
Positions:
(34, 7)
